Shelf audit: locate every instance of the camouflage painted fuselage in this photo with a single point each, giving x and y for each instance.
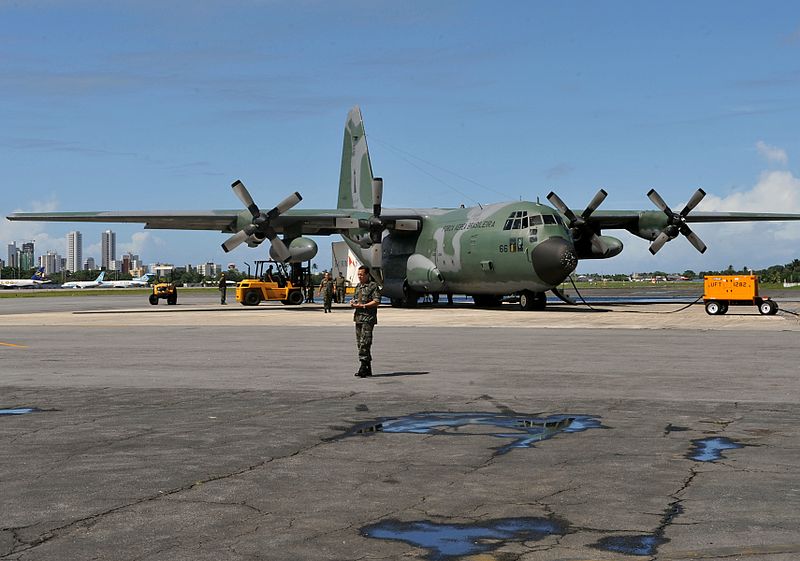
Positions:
(495, 250)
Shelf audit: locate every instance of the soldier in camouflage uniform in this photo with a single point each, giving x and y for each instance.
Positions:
(326, 291)
(366, 299)
(340, 289)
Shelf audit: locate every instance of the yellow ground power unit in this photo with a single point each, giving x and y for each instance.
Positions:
(722, 291)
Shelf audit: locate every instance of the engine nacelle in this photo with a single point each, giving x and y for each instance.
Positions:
(422, 275)
(300, 249)
(586, 250)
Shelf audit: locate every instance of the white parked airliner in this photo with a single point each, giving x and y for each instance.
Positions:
(142, 281)
(96, 283)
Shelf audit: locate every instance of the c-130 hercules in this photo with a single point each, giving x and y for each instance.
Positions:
(489, 252)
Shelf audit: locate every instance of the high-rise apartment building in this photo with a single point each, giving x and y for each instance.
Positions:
(50, 262)
(26, 259)
(13, 255)
(108, 244)
(74, 251)
(90, 265)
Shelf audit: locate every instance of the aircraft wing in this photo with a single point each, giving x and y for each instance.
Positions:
(295, 222)
(222, 220)
(627, 219)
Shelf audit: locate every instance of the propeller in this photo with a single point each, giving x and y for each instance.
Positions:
(376, 224)
(676, 222)
(577, 224)
(260, 229)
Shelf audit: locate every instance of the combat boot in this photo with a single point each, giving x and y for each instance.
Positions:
(361, 370)
(364, 370)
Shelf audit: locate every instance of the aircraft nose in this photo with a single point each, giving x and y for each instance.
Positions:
(553, 260)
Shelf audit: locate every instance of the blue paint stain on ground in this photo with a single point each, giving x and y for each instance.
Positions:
(631, 545)
(454, 540)
(643, 544)
(711, 449)
(19, 411)
(524, 430)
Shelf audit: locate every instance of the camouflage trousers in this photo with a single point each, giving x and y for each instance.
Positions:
(326, 301)
(364, 341)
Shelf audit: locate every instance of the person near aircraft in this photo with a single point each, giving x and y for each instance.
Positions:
(223, 289)
(326, 291)
(340, 288)
(268, 277)
(366, 299)
(309, 291)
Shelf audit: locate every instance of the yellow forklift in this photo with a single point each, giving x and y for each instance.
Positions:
(166, 290)
(274, 283)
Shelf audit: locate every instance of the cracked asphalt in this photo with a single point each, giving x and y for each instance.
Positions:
(218, 434)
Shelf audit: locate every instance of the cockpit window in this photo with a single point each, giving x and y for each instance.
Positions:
(517, 220)
(536, 219)
(549, 219)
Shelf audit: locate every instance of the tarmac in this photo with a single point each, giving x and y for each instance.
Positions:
(201, 431)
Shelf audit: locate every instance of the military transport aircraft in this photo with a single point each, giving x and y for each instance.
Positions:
(489, 252)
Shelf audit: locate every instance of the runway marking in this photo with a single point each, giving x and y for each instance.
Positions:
(13, 345)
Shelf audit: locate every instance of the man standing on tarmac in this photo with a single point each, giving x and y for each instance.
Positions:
(340, 289)
(366, 299)
(223, 288)
(326, 291)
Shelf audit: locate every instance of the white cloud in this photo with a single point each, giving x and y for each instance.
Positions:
(776, 191)
(143, 244)
(772, 153)
(21, 232)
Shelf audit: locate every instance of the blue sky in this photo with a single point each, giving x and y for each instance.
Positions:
(161, 105)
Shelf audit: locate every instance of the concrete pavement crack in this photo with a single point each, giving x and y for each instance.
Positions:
(58, 531)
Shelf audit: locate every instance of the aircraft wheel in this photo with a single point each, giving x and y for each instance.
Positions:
(153, 299)
(539, 301)
(527, 300)
(295, 298)
(252, 298)
(765, 308)
(712, 308)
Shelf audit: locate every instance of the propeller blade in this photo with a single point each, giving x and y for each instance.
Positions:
(376, 255)
(658, 201)
(278, 250)
(597, 245)
(696, 198)
(285, 205)
(693, 238)
(244, 195)
(562, 208)
(235, 240)
(377, 196)
(659, 242)
(595, 202)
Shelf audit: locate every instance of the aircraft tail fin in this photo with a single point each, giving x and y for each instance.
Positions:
(39, 274)
(355, 179)
(100, 277)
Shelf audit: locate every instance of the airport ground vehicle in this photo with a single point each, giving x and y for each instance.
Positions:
(722, 291)
(165, 290)
(269, 285)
